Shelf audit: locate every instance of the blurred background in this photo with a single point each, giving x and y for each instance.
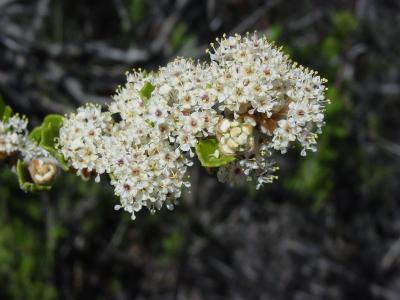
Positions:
(329, 228)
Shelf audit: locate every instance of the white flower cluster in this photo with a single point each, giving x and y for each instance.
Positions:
(12, 135)
(250, 98)
(14, 140)
(145, 169)
(253, 77)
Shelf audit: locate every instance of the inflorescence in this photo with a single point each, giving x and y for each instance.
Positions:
(234, 114)
(15, 143)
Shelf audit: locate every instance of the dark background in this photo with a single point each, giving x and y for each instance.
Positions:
(329, 228)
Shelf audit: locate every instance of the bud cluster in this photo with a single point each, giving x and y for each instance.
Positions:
(236, 136)
(251, 98)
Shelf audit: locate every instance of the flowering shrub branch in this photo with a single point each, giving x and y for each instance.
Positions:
(233, 114)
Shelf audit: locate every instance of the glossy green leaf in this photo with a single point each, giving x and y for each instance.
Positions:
(146, 90)
(24, 179)
(54, 120)
(36, 134)
(50, 133)
(209, 154)
(47, 132)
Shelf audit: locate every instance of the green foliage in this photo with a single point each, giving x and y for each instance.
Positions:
(25, 264)
(181, 37)
(331, 48)
(31, 232)
(8, 112)
(25, 181)
(46, 135)
(274, 32)
(209, 155)
(146, 91)
(5, 111)
(345, 23)
(178, 36)
(172, 244)
(50, 122)
(136, 10)
(24, 268)
(315, 175)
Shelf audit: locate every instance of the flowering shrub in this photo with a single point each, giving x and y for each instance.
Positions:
(234, 114)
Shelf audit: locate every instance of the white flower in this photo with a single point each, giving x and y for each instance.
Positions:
(158, 113)
(185, 141)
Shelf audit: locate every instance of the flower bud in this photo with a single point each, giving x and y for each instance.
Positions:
(232, 144)
(42, 171)
(225, 149)
(235, 131)
(236, 137)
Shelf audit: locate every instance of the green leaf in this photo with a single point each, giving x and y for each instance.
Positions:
(22, 173)
(46, 134)
(5, 111)
(36, 134)
(209, 155)
(54, 120)
(146, 91)
(8, 112)
(49, 135)
(24, 179)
